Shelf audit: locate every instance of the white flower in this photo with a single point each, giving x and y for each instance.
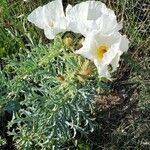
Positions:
(92, 15)
(50, 17)
(104, 50)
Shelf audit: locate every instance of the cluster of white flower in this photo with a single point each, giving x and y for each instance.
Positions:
(103, 43)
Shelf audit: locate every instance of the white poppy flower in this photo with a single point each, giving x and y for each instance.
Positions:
(50, 17)
(104, 50)
(92, 15)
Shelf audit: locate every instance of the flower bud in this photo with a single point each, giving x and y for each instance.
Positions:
(68, 41)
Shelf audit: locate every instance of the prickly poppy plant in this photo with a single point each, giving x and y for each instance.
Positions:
(51, 89)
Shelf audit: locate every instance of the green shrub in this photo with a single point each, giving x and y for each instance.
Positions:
(50, 95)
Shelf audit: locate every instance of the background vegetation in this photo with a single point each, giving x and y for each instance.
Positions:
(47, 103)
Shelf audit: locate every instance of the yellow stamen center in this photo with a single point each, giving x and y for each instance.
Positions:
(100, 51)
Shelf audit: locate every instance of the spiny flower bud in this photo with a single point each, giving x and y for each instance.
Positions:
(68, 41)
(86, 69)
(60, 77)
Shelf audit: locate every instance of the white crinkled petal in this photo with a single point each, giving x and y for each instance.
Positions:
(117, 49)
(92, 15)
(81, 16)
(119, 45)
(76, 11)
(108, 24)
(61, 23)
(68, 8)
(55, 19)
(103, 72)
(51, 18)
(87, 54)
(83, 28)
(52, 11)
(94, 9)
(100, 38)
(123, 47)
(119, 26)
(37, 18)
(111, 53)
(116, 43)
(124, 43)
(51, 33)
(102, 69)
(75, 15)
(78, 27)
(88, 48)
(115, 62)
(89, 10)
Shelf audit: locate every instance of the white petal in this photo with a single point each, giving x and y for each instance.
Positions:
(61, 23)
(103, 39)
(82, 15)
(103, 72)
(76, 11)
(94, 9)
(51, 33)
(51, 18)
(124, 44)
(79, 27)
(111, 53)
(84, 53)
(115, 62)
(109, 24)
(116, 43)
(90, 10)
(68, 8)
(123, 47)
(36, 17)
(88, 48)
(108, 12)
(53, 10)
(102, 69)
(119, 26)
(76, 16)
(92, 15)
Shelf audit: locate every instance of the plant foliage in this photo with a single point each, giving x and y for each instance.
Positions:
(50, 103)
